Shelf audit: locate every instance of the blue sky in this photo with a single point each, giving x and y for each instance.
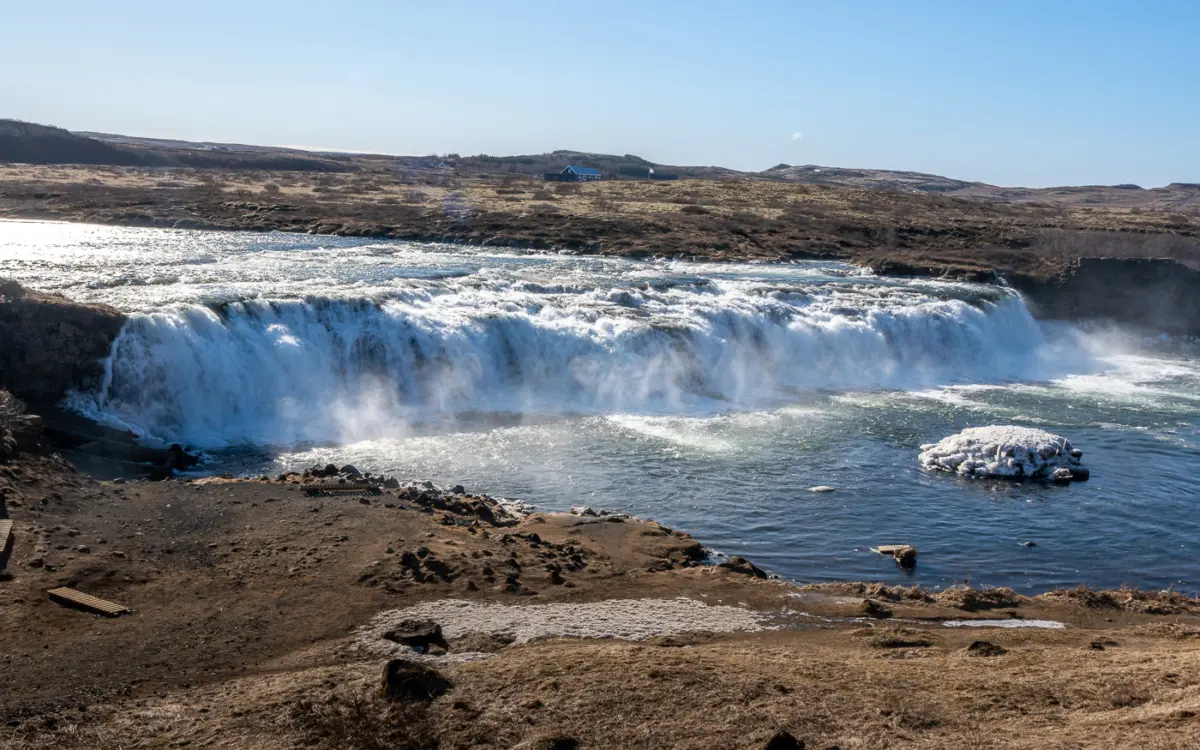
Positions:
(1010, 92)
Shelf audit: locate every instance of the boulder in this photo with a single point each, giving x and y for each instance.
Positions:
(418, 634)
(985, 648)
(906, 557)
(742, 565)
(405, 680)
(783, 740)
(872, 608)
(51, 344)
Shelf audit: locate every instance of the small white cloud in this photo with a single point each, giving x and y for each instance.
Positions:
(797, 135)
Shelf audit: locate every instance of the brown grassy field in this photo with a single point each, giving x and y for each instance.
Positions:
(709, 219)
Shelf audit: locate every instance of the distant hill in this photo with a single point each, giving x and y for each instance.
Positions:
(27, 143)
(867, 179)
(40, 144)
(610, 165)
(1178, 196)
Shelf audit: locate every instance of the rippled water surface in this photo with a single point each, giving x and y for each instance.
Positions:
(708, 396)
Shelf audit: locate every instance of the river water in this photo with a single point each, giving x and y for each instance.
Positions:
(708, 396)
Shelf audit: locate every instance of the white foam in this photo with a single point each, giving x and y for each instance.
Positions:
(286, 371)
(1000, 451)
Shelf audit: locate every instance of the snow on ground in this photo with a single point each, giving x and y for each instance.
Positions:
(1001, 451)
(628, 619)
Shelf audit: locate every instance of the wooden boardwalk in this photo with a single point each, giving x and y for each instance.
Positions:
(73, 598)
(362, 489)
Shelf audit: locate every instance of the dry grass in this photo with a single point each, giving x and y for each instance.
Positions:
(1128, 599)
(717, 219)
(843, 692)
(360, 718)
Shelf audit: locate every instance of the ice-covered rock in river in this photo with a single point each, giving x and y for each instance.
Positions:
(1003, 451)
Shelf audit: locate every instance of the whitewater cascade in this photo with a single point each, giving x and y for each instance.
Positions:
(335, 369)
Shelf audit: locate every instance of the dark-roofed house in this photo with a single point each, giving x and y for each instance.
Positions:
(574, 174)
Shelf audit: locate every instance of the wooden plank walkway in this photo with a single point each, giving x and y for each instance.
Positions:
(362, 489)
(6, 542)
(73, 598)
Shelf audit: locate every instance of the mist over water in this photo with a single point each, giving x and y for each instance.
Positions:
(709, 396)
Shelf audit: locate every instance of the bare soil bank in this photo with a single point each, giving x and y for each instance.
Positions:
(250, 601)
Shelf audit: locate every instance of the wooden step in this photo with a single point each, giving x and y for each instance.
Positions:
(73, 598)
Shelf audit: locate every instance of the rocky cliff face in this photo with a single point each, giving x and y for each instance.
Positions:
(1155, 295)
(49, 344)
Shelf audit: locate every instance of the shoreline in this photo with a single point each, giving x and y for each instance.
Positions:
(238, 584)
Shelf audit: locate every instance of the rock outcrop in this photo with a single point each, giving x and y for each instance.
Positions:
(51, 344)
(1153, 294)
(19, 432)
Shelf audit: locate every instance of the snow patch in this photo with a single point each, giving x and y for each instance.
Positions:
(628, 619)
(1001, 451)
(1047, 624)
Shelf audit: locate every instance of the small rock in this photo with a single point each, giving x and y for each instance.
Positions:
(350, 471)
(583, 510)
(906, 557)
(36, 562)
(1079, 474)
(458, 489)
(1028, 544)
(83, 549)
(783, 740)
(420, 634)
(412, 681)
(118, 554)
(985, 648)
(872, 608)
(391, 483)
(1061, 476)
(741, 565)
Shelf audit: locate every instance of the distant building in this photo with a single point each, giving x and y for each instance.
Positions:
(574, 174)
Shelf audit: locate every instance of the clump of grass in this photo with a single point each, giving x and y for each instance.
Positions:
(965, 597)
(363, 720)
